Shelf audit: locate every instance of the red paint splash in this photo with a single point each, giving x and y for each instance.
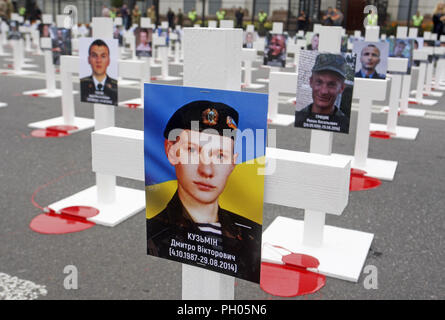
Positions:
(133, 105)
(360, 182)
(289, 281)
(53, 131)
(70, 219)
(54, 223)
(381, 134)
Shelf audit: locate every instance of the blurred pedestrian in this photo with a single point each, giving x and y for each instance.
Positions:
(192, 16)
(239, 16)
(180, 18)
(302, 21)
(105, 11)
(171, 18)
(125, 14)
(136, 15)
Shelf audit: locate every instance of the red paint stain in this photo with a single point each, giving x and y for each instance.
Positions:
(133, 105)
(53, 131)
(289, 281)
(54, 223)
(381, 134)
(360, 182)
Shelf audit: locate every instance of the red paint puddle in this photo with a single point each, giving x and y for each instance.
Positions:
(359, 182)
(243, 86)
(53, 131)
(381, 134)
(36, 95)
(153, 78)
(71, 219)
(412, 102)
(10, 66)
(289, 281)
(133, 105)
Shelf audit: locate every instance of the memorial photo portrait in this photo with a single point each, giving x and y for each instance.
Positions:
(98, 70)
(372, 59)
(118, 34)
(61, 43)
(324, 91)
(275, 50)
(143, 42)
(402, 48)
(204, 152)
(14, 33)
(249, 38)
(313, 40)
(45, 30)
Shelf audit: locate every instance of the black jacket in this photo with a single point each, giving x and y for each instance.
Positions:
(241, 238)
(89, 93)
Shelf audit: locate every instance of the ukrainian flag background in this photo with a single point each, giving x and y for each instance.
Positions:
(245, 188)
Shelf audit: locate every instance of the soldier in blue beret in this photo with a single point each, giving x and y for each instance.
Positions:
(200, 143)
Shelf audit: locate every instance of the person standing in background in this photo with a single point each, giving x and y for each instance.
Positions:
(124, 14)
(136, 15)
(337, 17)
(302, 21)
(417, 20)
(151, 13)
(262, 18)
(171, 18)
(239, 15)
(192, 16)
(180, 18)
(105, 11)
(438, 19)
(220, 15)
(3, 10)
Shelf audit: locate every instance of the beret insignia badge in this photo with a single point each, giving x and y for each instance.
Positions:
(210, 117)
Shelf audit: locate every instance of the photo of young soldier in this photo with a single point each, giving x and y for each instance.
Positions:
(204, 194)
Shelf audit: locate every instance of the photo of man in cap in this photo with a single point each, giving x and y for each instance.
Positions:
(200, 144)
(327, 84)
(99, 87)
(369, 60)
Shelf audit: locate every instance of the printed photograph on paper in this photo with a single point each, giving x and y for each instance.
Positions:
(402, 48)
(249, 39)
(372, 59)
(275, 50)
(98, 70)
(204, 150)
(143, 42)
(61, 43)
(324, 91)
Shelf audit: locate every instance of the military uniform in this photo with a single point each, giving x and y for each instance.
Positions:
(234, 242)
(374, 75)
(338, 117)
(104, 95)
(241, 237)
